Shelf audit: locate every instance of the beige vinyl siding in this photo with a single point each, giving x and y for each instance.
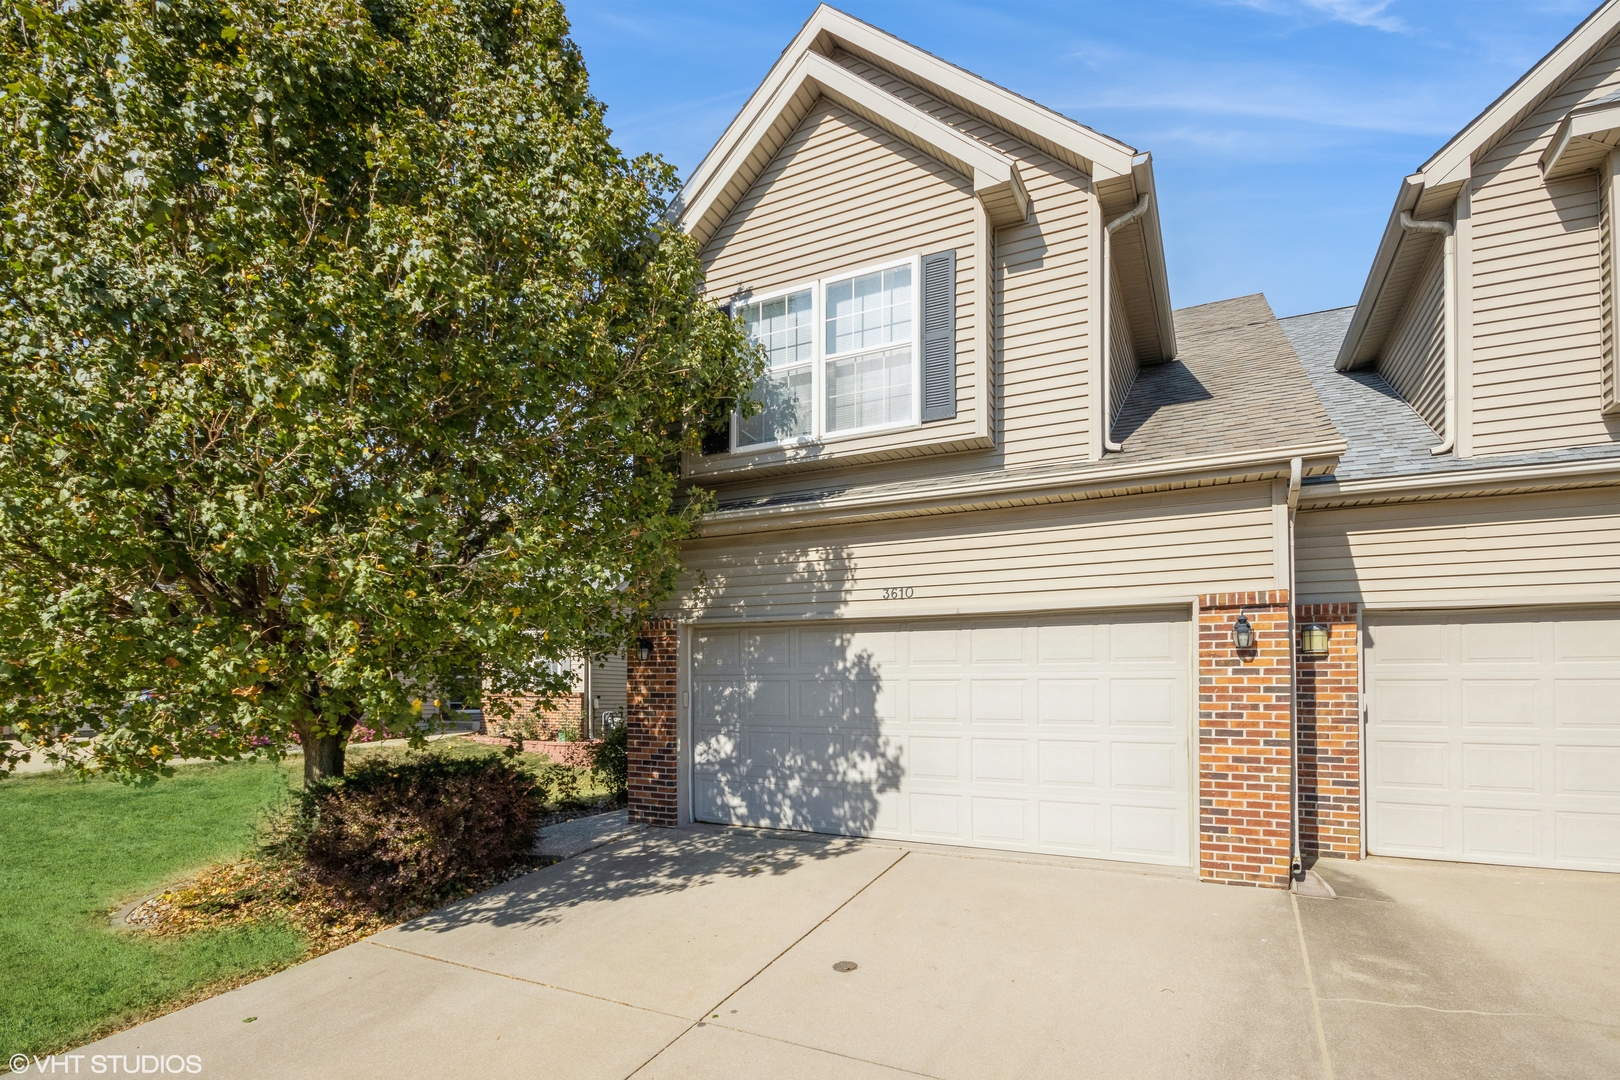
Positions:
(1551, 547)
(608, 683)
(1414, 361)
(1537, 286)
(1041, 297)
(842, 194)
(1121, 352)
(1115, 552)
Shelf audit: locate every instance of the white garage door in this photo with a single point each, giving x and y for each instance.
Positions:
(1496, 738)
(1063, 735)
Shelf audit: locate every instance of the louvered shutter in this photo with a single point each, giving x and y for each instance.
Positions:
(939, 336)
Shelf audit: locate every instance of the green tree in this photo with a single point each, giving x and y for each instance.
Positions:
(343, 355)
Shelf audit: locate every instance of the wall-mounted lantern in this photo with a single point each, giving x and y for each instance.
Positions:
(1313, 639)
(644, 648)
(1243, 633)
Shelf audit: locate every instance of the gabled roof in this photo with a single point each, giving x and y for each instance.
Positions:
(807, 71)
(1435, 186)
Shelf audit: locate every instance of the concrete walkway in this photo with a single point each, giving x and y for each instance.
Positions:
(717, 952)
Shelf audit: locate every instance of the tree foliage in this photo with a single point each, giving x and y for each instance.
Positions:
(344, 354)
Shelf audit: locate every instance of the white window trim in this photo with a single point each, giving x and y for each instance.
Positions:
(819, 359)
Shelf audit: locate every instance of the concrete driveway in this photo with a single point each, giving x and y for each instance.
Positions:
(710, 952)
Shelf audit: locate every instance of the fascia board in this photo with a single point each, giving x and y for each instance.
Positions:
(827, 27)
(1351, 352)
(1593, 122)
(1153, 240)
(1083, 482)
(988, 168)
(1106, 157)
(1453, 161)
(1461, 482)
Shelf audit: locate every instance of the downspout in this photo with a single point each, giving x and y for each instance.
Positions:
(1109, 445)
(1296, 861)
(1448, 258)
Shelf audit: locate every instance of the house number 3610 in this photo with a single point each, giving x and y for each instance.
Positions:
(904, 593)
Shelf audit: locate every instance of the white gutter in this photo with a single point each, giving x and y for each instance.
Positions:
(1079, 482)
(1601, 472)
(1449, 315)
(1105, 353)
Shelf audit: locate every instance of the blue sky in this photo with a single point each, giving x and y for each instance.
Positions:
(1279, 129)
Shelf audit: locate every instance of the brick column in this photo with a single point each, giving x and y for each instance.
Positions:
(1330, 736)
(1243, 741)
(650, 717)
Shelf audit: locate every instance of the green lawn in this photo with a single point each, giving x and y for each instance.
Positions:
(71, 849)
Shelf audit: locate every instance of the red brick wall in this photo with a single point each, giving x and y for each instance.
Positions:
(1243, 741)
(651, 719)
(1330, 736)
(527, 715)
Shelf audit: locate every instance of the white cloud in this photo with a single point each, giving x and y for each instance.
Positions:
(1368, 13)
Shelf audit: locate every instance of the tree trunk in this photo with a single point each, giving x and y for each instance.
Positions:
(323, 757)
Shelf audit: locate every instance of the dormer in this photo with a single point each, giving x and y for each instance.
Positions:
(1490, 303)
(865, 210)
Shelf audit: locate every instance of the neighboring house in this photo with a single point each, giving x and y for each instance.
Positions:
(598, 690)
(980, 572)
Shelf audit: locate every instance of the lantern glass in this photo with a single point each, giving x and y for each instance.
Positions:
(1313, 639)
(1243, 633)
(644, 648)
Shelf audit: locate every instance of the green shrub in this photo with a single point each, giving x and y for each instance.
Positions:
(406, 833)
(611, 757)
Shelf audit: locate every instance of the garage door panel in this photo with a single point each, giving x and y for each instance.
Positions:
(1068, 762)
(1151, 642)
(1066, 644)
(999, 760)
(1589, 841)
(1153, 833)
(1499, 702)
(1592, 638)
(998, 701)
(1413, 701)
(1491, 833)
(1494, 641)
(1001, 821)
(1587, 703)
(1070, 736)
(1493, 767)
(1069, 827)
(1147, 702)
(1066, 701)
(1411, 829)
(1588, 770)
(1506, 752)
(1412, 764)
(935, 757)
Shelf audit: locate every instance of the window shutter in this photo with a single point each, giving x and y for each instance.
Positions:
(939, 336)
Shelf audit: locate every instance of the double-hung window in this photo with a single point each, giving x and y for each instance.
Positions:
(843, 358)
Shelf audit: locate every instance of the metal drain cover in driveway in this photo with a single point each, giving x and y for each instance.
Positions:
(845, 965)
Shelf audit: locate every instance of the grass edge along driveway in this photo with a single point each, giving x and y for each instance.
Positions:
(71, 850)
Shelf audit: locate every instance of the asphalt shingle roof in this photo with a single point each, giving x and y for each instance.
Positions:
(1235, 384)
(1386, 437)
